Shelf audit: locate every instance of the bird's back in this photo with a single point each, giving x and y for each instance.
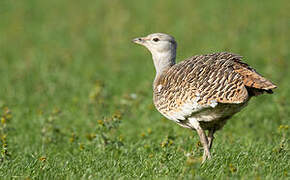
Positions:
(202, 82)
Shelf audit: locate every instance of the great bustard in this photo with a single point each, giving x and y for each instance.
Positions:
(203, 91)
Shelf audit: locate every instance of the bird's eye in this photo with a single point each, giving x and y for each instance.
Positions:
(155, 39)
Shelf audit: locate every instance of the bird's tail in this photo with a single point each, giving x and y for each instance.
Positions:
(254, 82)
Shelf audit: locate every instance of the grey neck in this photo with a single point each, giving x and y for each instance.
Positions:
(162, 62)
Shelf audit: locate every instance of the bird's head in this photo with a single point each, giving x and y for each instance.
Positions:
(162, 47)
(157, 43)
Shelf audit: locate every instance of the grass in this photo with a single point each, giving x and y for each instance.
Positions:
(76, 98)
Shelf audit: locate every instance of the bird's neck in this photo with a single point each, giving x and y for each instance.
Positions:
(163, 61)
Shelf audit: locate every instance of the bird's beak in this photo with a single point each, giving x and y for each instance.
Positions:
(139, 40)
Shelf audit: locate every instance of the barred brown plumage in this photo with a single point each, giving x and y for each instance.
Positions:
(203, 91)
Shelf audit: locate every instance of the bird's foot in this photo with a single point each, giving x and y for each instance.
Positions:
(206, 155)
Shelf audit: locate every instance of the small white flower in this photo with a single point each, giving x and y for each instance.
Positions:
(133, 96)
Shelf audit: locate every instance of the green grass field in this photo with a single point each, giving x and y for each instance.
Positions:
(76, 94)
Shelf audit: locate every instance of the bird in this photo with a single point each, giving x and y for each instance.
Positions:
(201, 92)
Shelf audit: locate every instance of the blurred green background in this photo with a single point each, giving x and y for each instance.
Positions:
(76, 98)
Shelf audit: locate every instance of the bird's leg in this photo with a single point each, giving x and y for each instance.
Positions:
(203, 139)
(210, 138)
(204, 142)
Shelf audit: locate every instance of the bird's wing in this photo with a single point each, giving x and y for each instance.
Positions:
(198, 83)
(255, 83)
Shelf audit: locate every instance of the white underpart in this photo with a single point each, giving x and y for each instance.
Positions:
(213, 103)
(194, 122)
(176, 116)
(186, 110)
(159, 87)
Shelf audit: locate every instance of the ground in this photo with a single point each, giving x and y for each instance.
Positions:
(76, 94)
